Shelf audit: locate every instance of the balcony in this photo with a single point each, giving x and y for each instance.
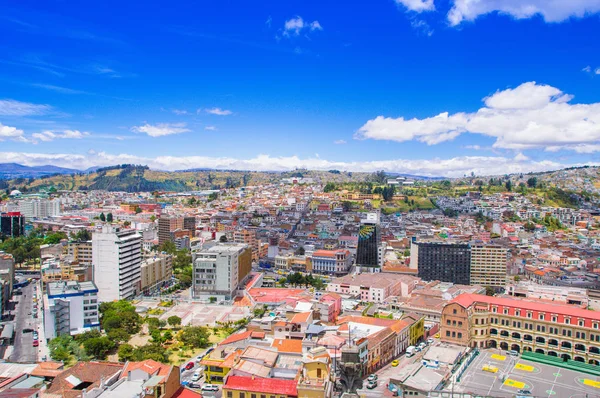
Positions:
(315, 384)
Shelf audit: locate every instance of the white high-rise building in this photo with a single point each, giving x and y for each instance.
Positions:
(117, 263)
(39, 208)
(70, 307)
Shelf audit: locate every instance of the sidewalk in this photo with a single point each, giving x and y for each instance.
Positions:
(43, 350)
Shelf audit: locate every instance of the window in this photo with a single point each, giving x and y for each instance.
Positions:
(517, 313)
(253, 395)
(242, 395)
(459, 323)
(454, 311)
(541, 317)
(229, 394)
(506, 311)
(580, 323)
(595, 325)
(447, 333)
(567, 321)
(459, 335)
(448, 322)
(529, 315)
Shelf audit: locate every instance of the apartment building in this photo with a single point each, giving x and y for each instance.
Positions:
(219, 270)
(12, 224)
(445, 262)
(563, 331)
(81, 252)
(488, 265)
(155, 271)
(70, 307)
(39, 208)
(116, 260)
(331, 262)
(168, 225)
(373, 287)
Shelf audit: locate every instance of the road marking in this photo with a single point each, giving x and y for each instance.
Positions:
(526, 368)
(499, 357)
(514, 383)
(551, 391)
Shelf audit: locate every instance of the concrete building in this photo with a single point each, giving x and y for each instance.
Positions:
(374, 288)
(70, 308)
(445, 262)
(81, 252)
(116, 259)
(219, 270)
(331, 262)
(155, 271)
(167, 226)
(39, 208)
(563, 331)
(488, 265)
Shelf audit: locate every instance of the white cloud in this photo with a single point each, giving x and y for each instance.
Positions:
(47, 136)
(421, 26)
(160, 129)
(58, 89)
(598, 71)
(453, 167)
(550, 10)
(10, 107)
(269, 21)
(210, 128)
(180, 112)
(529, 116)
(474, 147)
(296, 25)
(218, 111)
(339, 142)
(11, 133)
(417, 5)
(587, 69)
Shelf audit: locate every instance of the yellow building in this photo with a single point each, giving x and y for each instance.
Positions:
(316, 379)
(218, 364)
(488, 265)
(416, 330)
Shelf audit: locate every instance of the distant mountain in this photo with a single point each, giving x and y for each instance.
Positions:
(416, 177)
(15, 170)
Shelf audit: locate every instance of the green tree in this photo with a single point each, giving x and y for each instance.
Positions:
(213, 196)
(300, 251)
(532, 182)
(138, 210)
(118, 335)
(508, 185)
(174, 320)
(98, 347)
(83, 235)
(81, 338)
(102, 217)
(194, 336)
(54, 238)
(223, 238)
(329, 187)
(212, 300)
(153, 218)
(153, 323)
(168, 247)
(109, 217)
(125, 352)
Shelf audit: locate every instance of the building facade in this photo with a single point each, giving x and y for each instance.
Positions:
(116, 260)
(331, 262)
(12, 224)
(369, 238)
(488, 265)
(219, 270)
(563, 331)
(39, 208)
(168, 225)
(445, 262)
(70, 308)
(81, 252)
(156, 270)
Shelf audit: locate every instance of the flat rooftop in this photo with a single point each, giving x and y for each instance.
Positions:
(70, 287)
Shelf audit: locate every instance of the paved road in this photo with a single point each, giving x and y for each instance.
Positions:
(24, 351)
(186, 375)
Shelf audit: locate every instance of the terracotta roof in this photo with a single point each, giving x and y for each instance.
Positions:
(262, 385)
(236, 337)
(301, 317)
(186, 393)
(149, 366)
(466, 300)
(89, 372)
(48, 369)
(288, 345)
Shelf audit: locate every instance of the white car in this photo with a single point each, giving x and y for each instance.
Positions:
(196, 376)
(210, 387)
(430, 340)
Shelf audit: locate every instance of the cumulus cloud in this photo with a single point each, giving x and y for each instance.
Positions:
(9, 107)
(339, 142)
(218, 111)
(417, 5)
(47, 136)
(550, 10)
(297, 25)
(160, 129)
(453, 167)
(529, 116)
(11, 133)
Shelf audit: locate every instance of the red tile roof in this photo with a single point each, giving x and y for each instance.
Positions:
(262, 385)
(288, 345)
(236, 337)
(149, 366)
(186, 393)
(301, 317)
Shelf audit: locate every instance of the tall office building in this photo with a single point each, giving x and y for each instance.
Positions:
(219, 270)
(12, 224)
(39, 208)
(488, 265)
(170, 227)
(369, 239)
(445, 262)
(117, 259)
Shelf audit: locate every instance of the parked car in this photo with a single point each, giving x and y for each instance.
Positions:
(27, 330)
(372, 384)
(418, 349)
(36, 343)
(525, 393)
(196, 376)
(513, 353)
(372, 377)
(210, 387)
(395, 363)
(194, 385)
(422, 345)
(430, 340)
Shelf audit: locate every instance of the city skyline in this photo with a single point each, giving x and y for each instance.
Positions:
(427, 87)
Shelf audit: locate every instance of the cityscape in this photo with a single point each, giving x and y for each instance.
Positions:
(396, 198)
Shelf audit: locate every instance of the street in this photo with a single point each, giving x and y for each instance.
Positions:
(24, 351)
(186, 375)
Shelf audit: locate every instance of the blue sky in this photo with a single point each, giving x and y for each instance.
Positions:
(434, 87)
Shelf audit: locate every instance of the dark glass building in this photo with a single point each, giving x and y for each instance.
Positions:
(12, 224)
(367, 252)
(445, 262)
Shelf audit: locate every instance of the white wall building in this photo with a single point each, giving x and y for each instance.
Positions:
(70, 307)
(39, 208)
(117, 259)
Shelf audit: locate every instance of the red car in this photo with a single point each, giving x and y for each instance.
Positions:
(189, 366)
(36, 343)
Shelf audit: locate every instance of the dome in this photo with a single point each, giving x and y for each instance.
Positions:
(16, 192)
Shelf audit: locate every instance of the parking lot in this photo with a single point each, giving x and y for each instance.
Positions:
(514, 374)
(205, 315)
